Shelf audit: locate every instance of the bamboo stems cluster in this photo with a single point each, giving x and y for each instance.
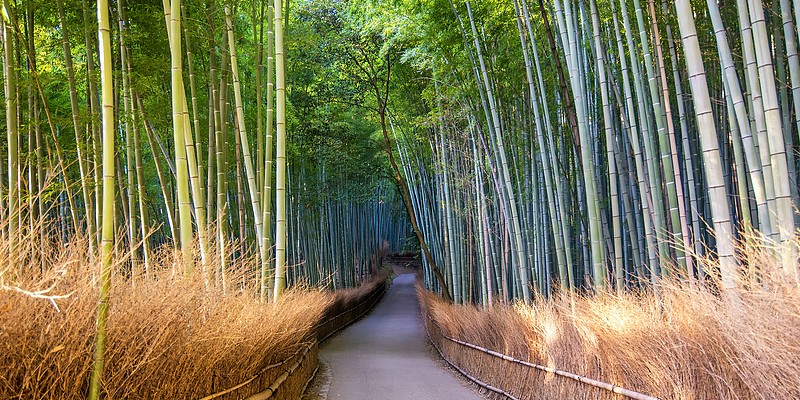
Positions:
(601, 171)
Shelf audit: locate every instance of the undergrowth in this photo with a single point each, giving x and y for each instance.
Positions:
(172, 335)
(689, 342)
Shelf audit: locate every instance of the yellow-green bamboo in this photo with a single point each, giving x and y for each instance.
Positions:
(248, 161)
(104, 41)
(80, 143)
(280, 158)
(268, 156)
(129, 147)
(93, 136)
(172, 13)
(12, 128)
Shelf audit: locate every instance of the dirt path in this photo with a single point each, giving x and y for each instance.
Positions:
(386, 356)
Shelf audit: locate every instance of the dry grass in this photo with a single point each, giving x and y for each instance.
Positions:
(687, 344)
(171, 336)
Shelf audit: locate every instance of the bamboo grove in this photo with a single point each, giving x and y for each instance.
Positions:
(587, 144)
(524, 147)
(139, 128)
(197, 135)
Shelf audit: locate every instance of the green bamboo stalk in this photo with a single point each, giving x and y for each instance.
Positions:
(258, 40)
(669, 150)
(172, 14)
(761, 140)
(733, 89)
(104, 41)
(152, 137)
(215, 101)
(129, 145)
(195, 114)
(144, 218)
(783, 98)
(777, 149)
(79, 140)
(652, 139)
(683, 129)
(94, 134)
(631, 123)
(268, 152)
(211, 168)
(248, 163)
(62, 165)
(556, 226)
(12, 129)
(794, 60)
(507, 190)
(266, 160)
(741, 179)
(651, 191)
(190, 154)
(711, 154)
(280, 179)
(591, 194)
(611, 157)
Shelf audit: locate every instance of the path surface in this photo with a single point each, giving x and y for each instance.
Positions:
(385, 355)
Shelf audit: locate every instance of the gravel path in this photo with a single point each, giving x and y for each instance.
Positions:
(386, 356)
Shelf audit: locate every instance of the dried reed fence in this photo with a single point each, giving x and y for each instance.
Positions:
(687, 344)
(171, 335)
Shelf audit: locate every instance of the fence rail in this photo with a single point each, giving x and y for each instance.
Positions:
(585, 380)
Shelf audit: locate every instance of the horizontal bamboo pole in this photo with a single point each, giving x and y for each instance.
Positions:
(589, 381)
(310, 378)
(466, 374)
(257, 374)
(273, 388)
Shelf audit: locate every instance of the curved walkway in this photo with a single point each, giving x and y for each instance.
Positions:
(385, 355)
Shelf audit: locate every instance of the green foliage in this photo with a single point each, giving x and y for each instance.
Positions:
(331, 121)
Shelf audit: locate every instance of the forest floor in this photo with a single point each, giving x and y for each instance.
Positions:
(386, 355)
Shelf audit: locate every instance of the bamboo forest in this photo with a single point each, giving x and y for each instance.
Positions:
(400, 199)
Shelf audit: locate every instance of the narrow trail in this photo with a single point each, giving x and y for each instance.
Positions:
(386, 356)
